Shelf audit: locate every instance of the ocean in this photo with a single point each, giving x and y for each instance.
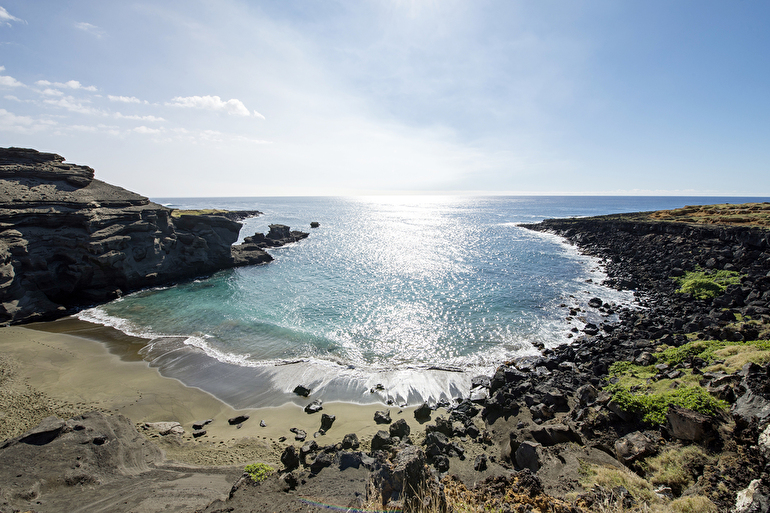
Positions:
(392, 299)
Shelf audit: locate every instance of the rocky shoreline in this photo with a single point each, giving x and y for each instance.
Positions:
(549, 432)
(68, 240)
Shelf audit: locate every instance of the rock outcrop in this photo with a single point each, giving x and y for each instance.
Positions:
(69, 240)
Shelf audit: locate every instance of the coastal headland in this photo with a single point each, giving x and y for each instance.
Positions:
(666, 408)
(68, 240)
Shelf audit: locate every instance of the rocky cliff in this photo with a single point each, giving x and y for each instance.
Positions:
(68, 239)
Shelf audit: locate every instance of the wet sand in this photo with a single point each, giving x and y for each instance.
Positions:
(68, 367)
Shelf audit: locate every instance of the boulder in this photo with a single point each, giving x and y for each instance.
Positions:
(634, 446)
(302, 390)
(422, 413)
(689, 425)
(556, 434)
(290, 458)
(350, 441)
(166, 428)
(400, 429)
(239, 419)
(200, 424)
(314, 407)
(528, 455)
(751, 499)
(382, 417)
(327, 421)
(381, 440)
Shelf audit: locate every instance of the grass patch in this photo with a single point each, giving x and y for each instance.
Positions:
(611, 477)
(695, 504)
(677, 468)
(734, 354)
(202, 212)
(258, 472)
(635, 392)
(706, 284)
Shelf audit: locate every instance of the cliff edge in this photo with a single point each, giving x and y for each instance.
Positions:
(69, 240)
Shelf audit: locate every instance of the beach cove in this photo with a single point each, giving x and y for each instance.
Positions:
(557, 388)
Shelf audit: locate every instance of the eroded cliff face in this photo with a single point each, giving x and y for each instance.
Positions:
(67, 239)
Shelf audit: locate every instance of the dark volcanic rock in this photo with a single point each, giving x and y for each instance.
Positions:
(239, 419)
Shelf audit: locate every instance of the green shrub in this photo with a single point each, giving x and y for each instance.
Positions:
(706, 284)
(654, 407)
(258, 472)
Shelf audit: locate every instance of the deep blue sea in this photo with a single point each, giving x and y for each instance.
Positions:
(416, 293)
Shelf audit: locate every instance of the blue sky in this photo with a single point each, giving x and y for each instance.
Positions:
(253, 98)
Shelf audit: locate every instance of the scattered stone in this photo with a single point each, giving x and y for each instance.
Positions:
(350, 441)
(480, 464)
(751, 500)
(381, 440)
(321, 461)
(302, 391)
(290, 458)
(199, 425)
(199, 433)
(314, 407)
(262, 423)
(382, 417)
(299, 434)
(327, 421)
(400, 429)
(240, 419)
(422, 412)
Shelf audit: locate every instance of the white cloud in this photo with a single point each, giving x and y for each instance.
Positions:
(91, 29)
(125, 99)
(52, 92)
(147, 130)
(139, 118)
(233, 107)
(72, 84)
(7, 81)
(6, 18)
(72, 105)
(11, 97)
(10, 122)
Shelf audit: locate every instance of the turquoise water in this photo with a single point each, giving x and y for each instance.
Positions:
(418, 294)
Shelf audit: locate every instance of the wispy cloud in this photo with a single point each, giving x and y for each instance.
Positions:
(73, 105)
(8, 81)
(72, 84)
(125, 99)
(6, 18)
(134, 117)
(147, 130)
(10, 122)
(89, 28)
(233, 107)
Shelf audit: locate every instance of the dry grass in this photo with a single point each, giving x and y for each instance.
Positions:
(677, 467)
(746, 214)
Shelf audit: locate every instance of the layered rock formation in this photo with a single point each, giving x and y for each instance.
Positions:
(68, 239)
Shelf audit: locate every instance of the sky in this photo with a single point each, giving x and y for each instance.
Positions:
(200, 98)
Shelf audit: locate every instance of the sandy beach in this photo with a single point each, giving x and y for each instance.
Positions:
(69, 367)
